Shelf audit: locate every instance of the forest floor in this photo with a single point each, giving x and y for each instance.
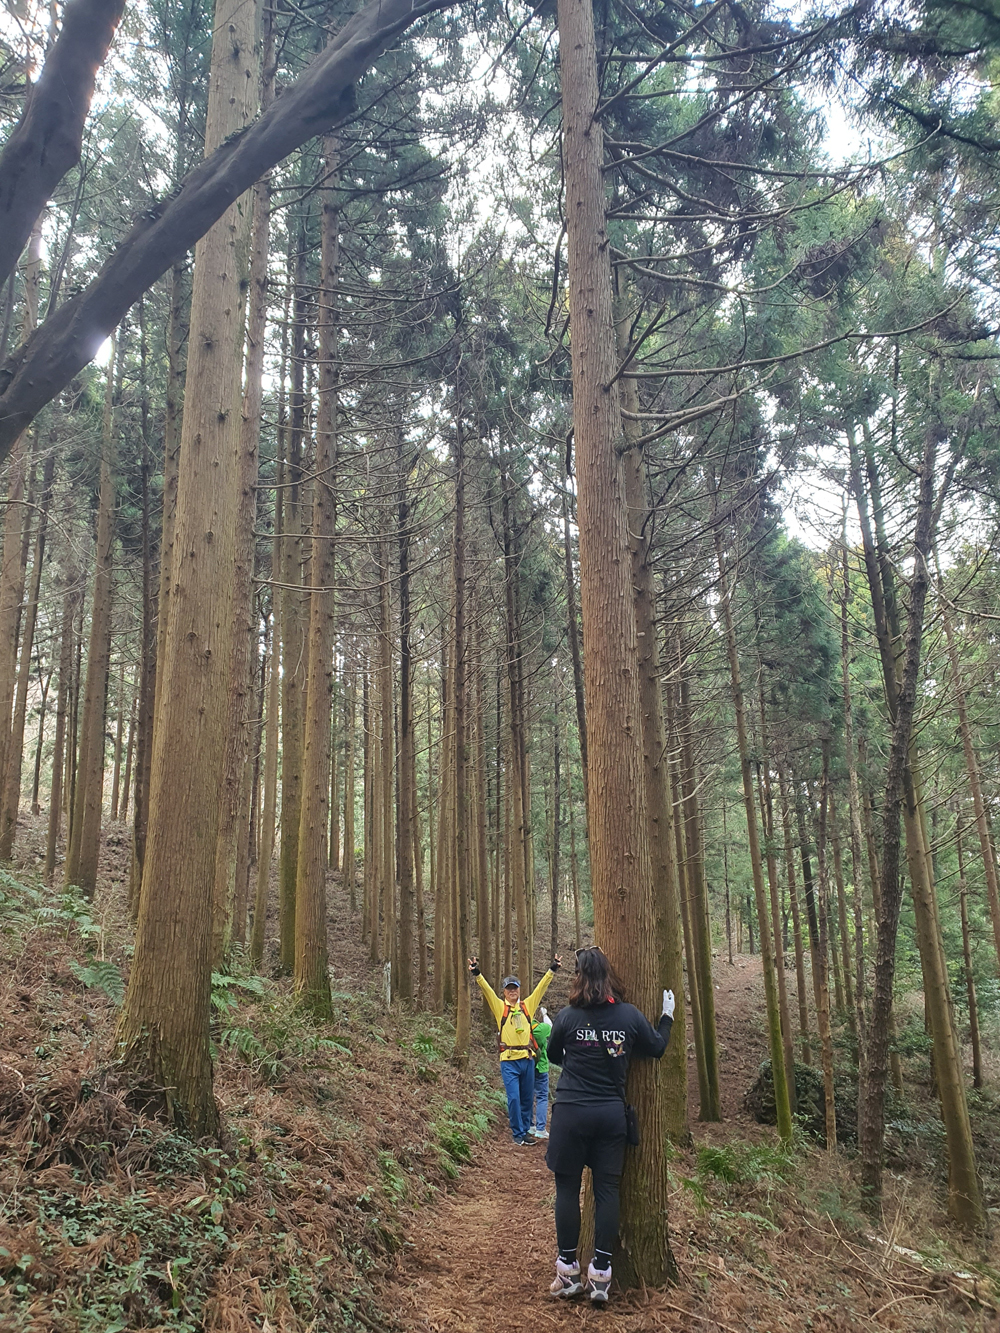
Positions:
(363, 1183)
(763, 1241)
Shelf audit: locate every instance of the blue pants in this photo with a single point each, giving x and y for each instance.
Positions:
(519, 1084)
(541, 1100)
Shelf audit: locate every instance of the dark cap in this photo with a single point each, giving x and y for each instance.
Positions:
(511, 981)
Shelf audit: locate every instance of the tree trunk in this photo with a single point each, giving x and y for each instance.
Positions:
(12, 787)
(407, 753)
(294, 616)
(70, 599)
(119, 735)
(268, 815)
(163, 1034)
(574, 643)
(460, 1055)
(902, 788)
(793, 903)
(973, 775)
(821, 951)
(776, 1050)
(697, 899)
(621, 868)
(774, 893)
(85, 840)
(12, 561)
(349, 872)
(312, 976)
(659, 802)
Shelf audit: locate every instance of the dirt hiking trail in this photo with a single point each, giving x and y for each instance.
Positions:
(479, 1260)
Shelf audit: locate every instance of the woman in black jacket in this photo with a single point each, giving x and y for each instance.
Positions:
(593, 1039)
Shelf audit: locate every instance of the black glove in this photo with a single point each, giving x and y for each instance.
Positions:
(555, 965)
(474, 966)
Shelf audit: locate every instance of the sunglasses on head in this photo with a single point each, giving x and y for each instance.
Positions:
(589, 948)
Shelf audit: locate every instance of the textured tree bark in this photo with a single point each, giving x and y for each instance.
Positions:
(776, 1049)
(129, 754)
(12, 785)
(460, 1055)
(312, 976)
(574, 644)
(484, 920)
(621, 868)
(903, 790)
(575, 878)
(71, 599)
(659, 801)
(12, 560)
(83, 855)
(407, 753)
(697, 900)
(793, 903)
(44, 682)
(515, 720)
(418, 876)
(349, 872)
(385, 803)
(119, 732)
(774, 891)
(294, 615)
(975, 781)
(269, 805)
(234, 802)
(970, 984)
(821, 951)
(556, 833)
(233, 831)
(690, 958)
(163, 1034)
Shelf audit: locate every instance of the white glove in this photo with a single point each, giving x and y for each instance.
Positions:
(668, 1003)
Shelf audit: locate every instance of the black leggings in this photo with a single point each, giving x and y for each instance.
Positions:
(591, 1136)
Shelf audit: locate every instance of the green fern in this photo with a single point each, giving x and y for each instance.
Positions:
(99, 974)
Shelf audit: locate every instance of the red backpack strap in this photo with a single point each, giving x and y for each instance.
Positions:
(506, 1015)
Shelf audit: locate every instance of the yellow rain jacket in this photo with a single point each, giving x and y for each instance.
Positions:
(515, 1029)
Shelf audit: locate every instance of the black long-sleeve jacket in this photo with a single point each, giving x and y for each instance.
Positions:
(582, 1040)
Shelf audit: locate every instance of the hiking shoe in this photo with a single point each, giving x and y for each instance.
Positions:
(567, 1281)
(598, 1282)
(526, 1142)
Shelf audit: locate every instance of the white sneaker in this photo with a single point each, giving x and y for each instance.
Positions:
(567, 1281)
(598, 1282)
(540, 1133)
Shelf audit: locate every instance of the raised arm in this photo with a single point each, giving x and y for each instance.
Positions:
(538, 994)
(492, 998)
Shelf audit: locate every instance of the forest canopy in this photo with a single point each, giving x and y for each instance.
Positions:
(532, 472)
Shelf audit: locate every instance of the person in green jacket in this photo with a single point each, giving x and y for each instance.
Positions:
(541, 1027)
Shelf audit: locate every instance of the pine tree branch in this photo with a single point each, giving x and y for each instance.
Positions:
(69, 338)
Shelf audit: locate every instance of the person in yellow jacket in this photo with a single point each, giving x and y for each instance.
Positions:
(517, 1045)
